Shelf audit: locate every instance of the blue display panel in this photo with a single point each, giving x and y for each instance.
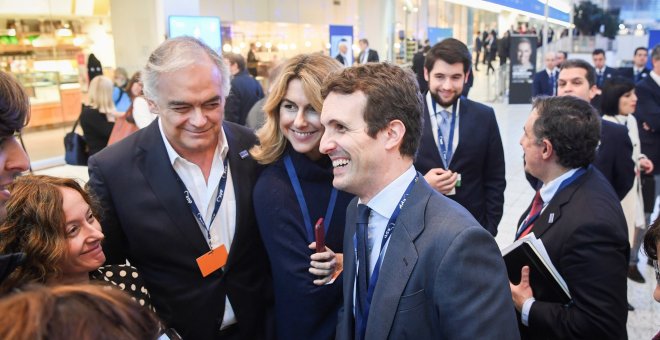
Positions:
(206, 29)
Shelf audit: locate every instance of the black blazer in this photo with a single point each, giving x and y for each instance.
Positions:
(245, 91)
(479, 158)
(587, 241)
(340, 58)
(96, 129)
(648, 111)
(147, 221)
(541, 84)
(629, 72)
(614, 157)
(608, 73)
(371, 58)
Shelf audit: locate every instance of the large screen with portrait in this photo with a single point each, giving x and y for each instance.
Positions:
(206, 29)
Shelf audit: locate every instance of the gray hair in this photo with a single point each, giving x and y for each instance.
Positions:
(655, 54)
(175, 54)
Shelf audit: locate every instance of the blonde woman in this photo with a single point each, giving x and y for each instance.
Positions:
(98, 116)
(292, 192)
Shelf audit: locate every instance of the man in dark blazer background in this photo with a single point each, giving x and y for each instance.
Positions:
(581, 225)
(367, 55)
(245, 90)
(434, 272)
(639, 71)
(473, 174)
(159, 189)
(603, 73)
(614, 156)
(648, 115)
(545, 81)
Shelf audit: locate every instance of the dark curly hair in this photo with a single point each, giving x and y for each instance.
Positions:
(14, 105)
(451, 51)
(35, 226)
(572, 125)
(613, 90)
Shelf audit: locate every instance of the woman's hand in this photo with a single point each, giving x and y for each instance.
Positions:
(324, 265)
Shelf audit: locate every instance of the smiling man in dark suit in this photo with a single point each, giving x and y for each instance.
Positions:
(179, 191)
(579, 220)
(461, 153)
(416, 264)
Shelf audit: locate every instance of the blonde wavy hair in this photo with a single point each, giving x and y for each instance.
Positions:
(311, 69)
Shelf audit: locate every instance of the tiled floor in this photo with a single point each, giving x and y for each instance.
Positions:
(643, 323)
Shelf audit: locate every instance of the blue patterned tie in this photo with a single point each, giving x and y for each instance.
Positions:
(599, 81)
(553, 87)
(442, 117)
(362, 224)
(637, 73)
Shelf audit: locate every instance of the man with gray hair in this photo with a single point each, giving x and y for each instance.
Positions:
(177, 197)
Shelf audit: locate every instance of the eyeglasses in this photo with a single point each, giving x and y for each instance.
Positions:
(657, 271)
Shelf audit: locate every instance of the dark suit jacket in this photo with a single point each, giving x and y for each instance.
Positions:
(340, 58)
(588, 244)
(148, 222)
(608, 73)
(479, 158)
(648, 111)
(614, 157)
(371, 58)
(418, 68)
(541, 84)
(629, 72)
(424, 290)
(245, 91)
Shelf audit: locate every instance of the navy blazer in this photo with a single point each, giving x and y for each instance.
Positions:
(425, 290)
(648, 111)
(245, 91)
(541, 85)
(585, 234)
(608, 73)
(614, 157)
(147, 221)
(479, 158)
(629, 72)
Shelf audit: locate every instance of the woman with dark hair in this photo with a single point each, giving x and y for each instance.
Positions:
(139, 110)
(76, 312)
(53, 221)
(292, 192)
(618, 103)
(652, 249)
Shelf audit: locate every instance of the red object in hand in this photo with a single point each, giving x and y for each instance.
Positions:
(319, 233)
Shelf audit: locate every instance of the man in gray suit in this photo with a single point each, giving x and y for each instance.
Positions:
(417, 265)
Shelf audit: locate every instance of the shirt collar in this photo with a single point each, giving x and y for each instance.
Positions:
(550, 72)
(173, 155)
(549, 190)
(439, 107)
(385, 202)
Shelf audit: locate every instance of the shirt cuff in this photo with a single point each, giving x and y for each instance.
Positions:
(524, 314)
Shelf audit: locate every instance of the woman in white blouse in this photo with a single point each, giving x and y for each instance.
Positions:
(141, 114)
(619, 102)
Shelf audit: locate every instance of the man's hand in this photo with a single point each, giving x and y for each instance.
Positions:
(441, 180)
(324, 264)
(646, 165)
(523, 291)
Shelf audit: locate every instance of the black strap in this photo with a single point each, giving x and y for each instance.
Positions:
(121, 94)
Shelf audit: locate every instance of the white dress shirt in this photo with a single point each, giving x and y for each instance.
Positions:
(141, 113)
(433, 119)
(655, 76)
(204, 194)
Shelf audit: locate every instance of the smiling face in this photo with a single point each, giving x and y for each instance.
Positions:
(446, 82)
(299, 122)
(628, 103)
(191, 107)
(83, 236)
(13, 161)
(356, 157)
(524, 52)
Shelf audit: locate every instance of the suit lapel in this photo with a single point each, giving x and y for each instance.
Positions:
(237, 167)
(462, 129)
(552, 212)
(153, 161)
(398, 264)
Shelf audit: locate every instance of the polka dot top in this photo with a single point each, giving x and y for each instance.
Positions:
(126, 278)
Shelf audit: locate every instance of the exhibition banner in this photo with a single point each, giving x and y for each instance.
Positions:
(522, 53)
(341, 42)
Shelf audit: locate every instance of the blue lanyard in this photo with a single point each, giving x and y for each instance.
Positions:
(218, 201)
(446, 150)
(527, 223)
(386, 236)
(293, 177)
